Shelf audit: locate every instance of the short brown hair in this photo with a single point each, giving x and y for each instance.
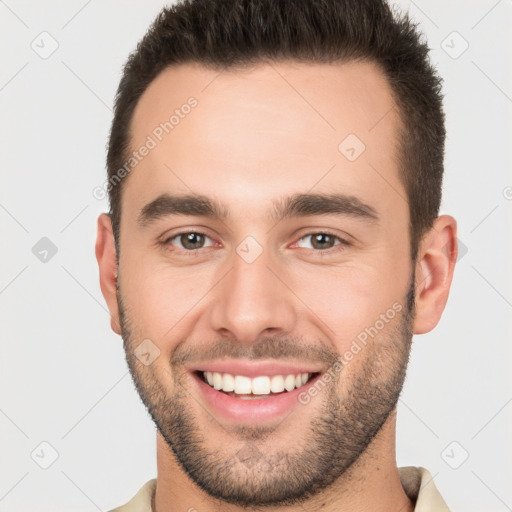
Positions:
(228, 34)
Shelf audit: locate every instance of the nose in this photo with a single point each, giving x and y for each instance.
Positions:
(253, 300)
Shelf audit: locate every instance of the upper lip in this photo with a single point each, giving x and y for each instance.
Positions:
(251, 368)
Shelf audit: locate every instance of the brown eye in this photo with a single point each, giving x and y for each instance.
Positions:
(188, 241)
(192, 240)
(323, 241)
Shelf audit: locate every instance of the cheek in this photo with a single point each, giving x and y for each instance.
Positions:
(160, 298)
(344, 302)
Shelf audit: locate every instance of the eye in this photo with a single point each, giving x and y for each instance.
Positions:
(189, 241)
(324, 241)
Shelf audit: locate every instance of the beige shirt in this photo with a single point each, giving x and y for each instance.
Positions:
(416, 481)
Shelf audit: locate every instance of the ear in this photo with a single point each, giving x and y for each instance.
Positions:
(106, 256)
(435, 264)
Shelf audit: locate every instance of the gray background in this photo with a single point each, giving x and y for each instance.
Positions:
(64, 380)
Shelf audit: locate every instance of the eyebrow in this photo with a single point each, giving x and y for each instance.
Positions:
(297, 205)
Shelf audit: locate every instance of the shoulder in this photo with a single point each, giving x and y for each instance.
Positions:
(141, 502)
(419, 486)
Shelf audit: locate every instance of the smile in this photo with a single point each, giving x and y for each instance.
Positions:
(243, 387)
(251, 393)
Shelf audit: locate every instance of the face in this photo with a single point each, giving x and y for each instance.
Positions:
(293, 261)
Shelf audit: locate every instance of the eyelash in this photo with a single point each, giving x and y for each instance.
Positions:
(342, 245)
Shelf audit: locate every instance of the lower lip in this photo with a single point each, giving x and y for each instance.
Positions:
(252, 410)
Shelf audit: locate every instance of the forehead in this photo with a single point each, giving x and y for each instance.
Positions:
(247, 134)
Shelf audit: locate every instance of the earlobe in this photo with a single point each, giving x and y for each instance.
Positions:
(435, 265)
(107, 263)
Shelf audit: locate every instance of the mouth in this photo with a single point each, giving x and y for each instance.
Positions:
(262, 386)
(252, 394)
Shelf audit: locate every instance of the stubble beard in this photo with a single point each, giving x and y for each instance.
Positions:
(245, 471)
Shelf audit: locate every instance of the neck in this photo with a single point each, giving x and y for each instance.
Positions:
(372, 483)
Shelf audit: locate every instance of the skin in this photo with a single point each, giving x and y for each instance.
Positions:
(256, 136)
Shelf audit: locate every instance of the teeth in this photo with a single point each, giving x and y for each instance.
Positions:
(228, 382)
(217, 380)
(261, 385)
(277, 384)
(289, 383)
(242, 385)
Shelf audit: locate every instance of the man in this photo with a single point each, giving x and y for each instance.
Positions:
(275, 172)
